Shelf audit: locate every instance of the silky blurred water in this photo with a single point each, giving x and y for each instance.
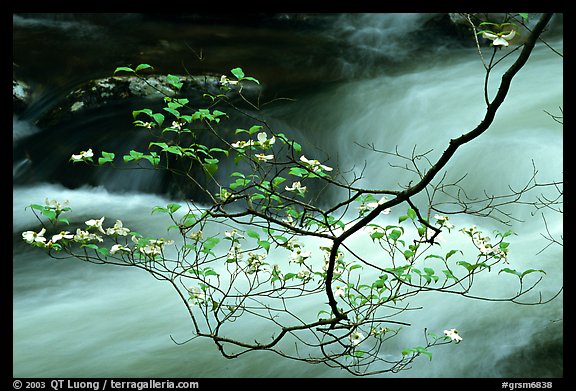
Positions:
(72, 319)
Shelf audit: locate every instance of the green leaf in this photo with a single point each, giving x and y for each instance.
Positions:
(51, 214)
(141, 67)
(467, 265)
(277, 181)
(107, 157)
(298, 171)
(380, 282)
(255, 128)
(210, 243)
(238, 72)
(225, 152)
(434, 256)
(253, 234)
(173, 207)
(173, 104)
(211, 161)
(251, 79)
(521, 275)
(510, 271)
(423, 350)
(402, 218)
(296, 147)
(174, 81)
(505, 234)
(452, 252)
(210, 168)
(172, 111)
(136, 155)
(449, 274)
(323, 312)
(37, 207)
(210, 272)
(135, 113)
(504, 246)
(395, 234)
(159, 209)
(90, 245)
(422, 230)
(63, 220)
(218, 113)
(358, 353)
(159, 118)
(532, 271)
(240, 182)
(411, 213)
(408, 254)
(471, 267)
(257, 196)
(429, 271)
(104, 251)
(123, 69)
(163, 146)
(264, 244)
(417, 351)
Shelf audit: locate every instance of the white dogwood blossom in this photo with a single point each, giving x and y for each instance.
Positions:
(118, 229)
(233, 234)
(62, 235)
(443, 221)
(242, 144)
(339, 291)
(96, 223)
(314, 165)
(453, 334)
(264, 141)
(57, 206)
(255, 262)
(225, 81)
(499, 39)
(356, 337)
(155, 246)
(263, 158)
(34, 237)
(197, 295)
(85, 236)
(299, 256)
(296, 187)
(82, 156)
(234, 254)
(118, 247)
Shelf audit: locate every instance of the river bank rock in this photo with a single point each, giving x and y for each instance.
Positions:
(20, 96)
(100, 92)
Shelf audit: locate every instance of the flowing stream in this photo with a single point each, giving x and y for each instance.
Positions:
(355, 81)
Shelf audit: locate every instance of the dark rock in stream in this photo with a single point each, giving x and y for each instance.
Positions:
(96, 115)
(97, 93)
(20, 96)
